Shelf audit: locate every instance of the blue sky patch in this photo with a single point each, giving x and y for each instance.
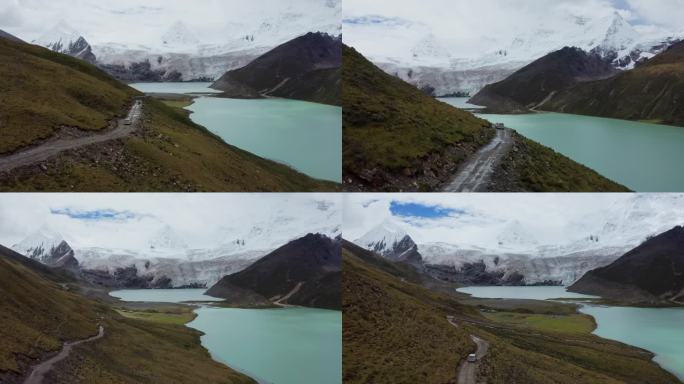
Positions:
(401, 209)
(95, 215)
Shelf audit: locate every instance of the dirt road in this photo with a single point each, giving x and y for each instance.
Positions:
(51, 148)
(38, 372)
(467, 370)
(475, 173)
(284, 298)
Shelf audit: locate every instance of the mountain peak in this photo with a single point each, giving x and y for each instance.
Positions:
(179, 35)
(61, 34)
(166, 239)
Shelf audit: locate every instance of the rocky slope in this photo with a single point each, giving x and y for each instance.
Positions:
(305, 68)
(393, 243)
(49, 248)
(64, 39)
(652, 272)
(651, 91)
(303, 272)
(535, 83)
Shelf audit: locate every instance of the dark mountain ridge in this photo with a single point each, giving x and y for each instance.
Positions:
(302, 272)
(653, 272)
(305, 68)
(652, 91)
(535, 83)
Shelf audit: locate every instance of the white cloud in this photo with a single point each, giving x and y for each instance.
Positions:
(202, 220)
(552, 219)
(469, 29)
(144, 21)
(668, 13)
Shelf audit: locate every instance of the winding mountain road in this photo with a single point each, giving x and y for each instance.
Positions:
(467, 370)
(286, 297)
(476, 172)
(51, 148)
(38, 372)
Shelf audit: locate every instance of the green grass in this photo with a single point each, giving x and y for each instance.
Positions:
(171, 154)
(42, 90)
(159, 317)
(650, 92)
(37, 315)
(532, 167)
(392, 126)
(395, 331)
(575, 323)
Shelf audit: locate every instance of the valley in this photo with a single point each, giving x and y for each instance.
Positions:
(564, 288)
(263, 305)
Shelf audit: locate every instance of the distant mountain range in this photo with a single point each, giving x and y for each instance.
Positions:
(305, 68)
(180, 55)
(303, 272)
(653, 272)
(512, 255)
(574, 81)
(430, 61)
(168, 263)
(652, 91)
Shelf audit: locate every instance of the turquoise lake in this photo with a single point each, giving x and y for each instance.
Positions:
(659, 330)
(174, 87)
(641, 156)
(306, 136)
(273, 346)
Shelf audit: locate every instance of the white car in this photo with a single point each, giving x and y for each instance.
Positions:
(472, 358)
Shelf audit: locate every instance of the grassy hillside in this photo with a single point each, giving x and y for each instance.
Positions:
(170, 153)
(651, 92)
(532, 167)
(395, 331)
(395, 137)
(42, 90)
(38, 313)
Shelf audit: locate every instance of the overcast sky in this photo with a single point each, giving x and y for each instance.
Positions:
(144, 21)
(460, 218)
(129, 220)
(477, 26)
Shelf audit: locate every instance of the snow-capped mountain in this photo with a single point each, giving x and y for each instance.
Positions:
(500, 252)
(430, 60)
(166, 239)
(48, 247)
(63, 38)
(392, 242)
(179, 50)
(179, 37)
